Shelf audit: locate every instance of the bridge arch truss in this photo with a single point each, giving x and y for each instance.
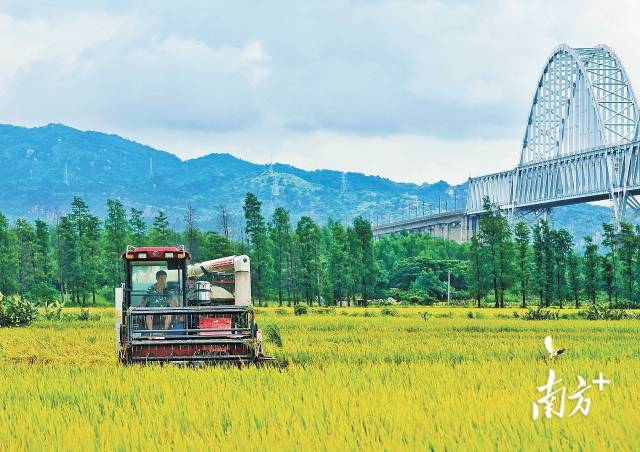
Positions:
(580, 142)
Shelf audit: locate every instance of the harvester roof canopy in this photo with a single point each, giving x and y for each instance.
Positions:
(157, 252)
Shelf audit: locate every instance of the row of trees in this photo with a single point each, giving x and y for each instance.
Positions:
(542, 262)
(309, 262)
(77, 257)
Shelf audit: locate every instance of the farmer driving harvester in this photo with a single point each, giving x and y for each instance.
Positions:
(180, 317)
(158, 296)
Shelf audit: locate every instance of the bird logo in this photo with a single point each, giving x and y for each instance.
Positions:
(553, 351)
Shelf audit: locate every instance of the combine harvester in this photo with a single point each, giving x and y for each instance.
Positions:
(169, 311)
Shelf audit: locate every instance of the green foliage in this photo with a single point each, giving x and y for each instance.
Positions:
(272, 334)
(281, 237)
(604, 312)
(591, 270)
(541, 314)
(161, 233)
(78, 260)
(495, 235)
(42, 294)
(261, 260)
(388, 311)
(300, 309)
(17, 311)
(53, 311)
(308, 238)
(137, 227)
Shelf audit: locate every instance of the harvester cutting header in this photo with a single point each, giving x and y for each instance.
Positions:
(171, 311)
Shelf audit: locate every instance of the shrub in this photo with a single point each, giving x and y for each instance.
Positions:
(604, 312)
(17, 311)
(272, 333)
(281, 311)
(445, 315)
(300, 309)
(107, 293)
(425, 315)
(42, 295)
(53, 311)
(389, 311)
(541, 314)
(83, 315)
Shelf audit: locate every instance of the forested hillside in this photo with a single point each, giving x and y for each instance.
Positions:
(45, 167)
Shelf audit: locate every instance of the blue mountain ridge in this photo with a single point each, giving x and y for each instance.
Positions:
(45, 167)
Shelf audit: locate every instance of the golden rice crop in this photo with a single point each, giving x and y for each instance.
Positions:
(354, 381)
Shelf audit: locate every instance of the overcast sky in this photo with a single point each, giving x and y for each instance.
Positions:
(416, 91)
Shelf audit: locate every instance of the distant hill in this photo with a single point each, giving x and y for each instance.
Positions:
(44, 167)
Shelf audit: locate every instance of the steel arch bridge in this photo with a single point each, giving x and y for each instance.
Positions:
(581, 141)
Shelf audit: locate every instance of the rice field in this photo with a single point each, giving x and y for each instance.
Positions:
(355, 380)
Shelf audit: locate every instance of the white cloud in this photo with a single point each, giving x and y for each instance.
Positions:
(25, 43)
(415, 91)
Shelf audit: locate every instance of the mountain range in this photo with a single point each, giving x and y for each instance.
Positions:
(45, 167)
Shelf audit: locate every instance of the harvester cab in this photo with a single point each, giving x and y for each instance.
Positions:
(170, 311)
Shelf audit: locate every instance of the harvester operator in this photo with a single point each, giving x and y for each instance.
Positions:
(158, 296)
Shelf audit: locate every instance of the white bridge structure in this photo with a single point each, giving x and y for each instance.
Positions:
(581, 143)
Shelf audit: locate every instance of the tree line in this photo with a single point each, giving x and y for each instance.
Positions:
(540, 264)
(76, 258)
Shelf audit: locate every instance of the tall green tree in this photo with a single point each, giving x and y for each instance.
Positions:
(26, 256)
(256, 231)
(522, 236)
(627, 254)
(308, 235)
(539, 280)
(355, 260)
(477, 271)
(116, 236)
(192, 235)
(9, 250)
(338, 258)
(549, 261)
(495, 235)
(562, 243)
(610, 240)
(161, 232)
(92, 271)
(43, 258)
(280, 237)
(67, 253)
(574, 276)
(364, 235)
(215, 245)
(591, 270)
(137, 227)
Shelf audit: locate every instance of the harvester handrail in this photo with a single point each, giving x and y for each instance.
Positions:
(191, 310)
